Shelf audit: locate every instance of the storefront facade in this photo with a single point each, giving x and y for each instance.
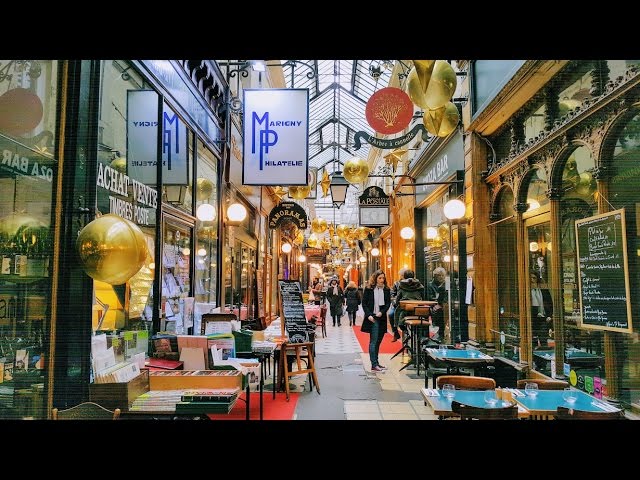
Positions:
(567, 154)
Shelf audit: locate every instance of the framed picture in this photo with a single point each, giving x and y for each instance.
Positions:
(214, 323)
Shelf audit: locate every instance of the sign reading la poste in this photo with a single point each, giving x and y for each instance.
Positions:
(276, 136)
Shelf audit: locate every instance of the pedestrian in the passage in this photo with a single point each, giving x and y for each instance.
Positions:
(354, 299)
(335, 297)
(376, 301)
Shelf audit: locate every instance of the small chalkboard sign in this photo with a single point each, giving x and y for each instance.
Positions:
(603, 272)
(292, 308)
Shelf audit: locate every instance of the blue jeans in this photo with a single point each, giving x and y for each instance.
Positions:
(375, 339)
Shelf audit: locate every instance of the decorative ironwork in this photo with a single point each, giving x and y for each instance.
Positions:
(521, 207)
(35, 69)
(599, 77)
(554, 193)
(313, 73)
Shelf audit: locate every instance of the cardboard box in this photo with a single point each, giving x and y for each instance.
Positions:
(119, 395)
(179, 380)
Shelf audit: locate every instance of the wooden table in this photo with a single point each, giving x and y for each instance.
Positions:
(475, 398)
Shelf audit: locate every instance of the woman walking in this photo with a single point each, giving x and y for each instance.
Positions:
(335, 296)
(375, 303)
(352, 295)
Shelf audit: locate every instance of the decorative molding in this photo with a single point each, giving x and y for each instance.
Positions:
(208, 79)
(521, 207)
(554, 193)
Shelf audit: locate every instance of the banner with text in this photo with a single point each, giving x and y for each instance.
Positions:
(142, 140)
(276, 137)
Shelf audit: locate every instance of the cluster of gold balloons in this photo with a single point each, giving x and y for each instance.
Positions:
(430, 85)
(318, 225)
(111, 249)
(300, 192)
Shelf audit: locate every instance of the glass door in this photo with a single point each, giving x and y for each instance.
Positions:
(244, 296)
(176, 274)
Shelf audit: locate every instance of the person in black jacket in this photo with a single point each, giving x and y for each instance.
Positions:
(409, 288)
(392, 309)
(335, 297)
(353, 298)
(375, 303)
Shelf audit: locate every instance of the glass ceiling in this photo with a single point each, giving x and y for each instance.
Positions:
(338, 96)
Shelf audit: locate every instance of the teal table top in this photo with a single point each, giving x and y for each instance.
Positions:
(548, 401)
(570, 354)
(455, 353)
(475, 398)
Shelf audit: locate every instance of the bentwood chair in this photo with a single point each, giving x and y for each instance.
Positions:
(566, 413)
(543, 383)
(462, 382)
(85, 411)
(467, 412)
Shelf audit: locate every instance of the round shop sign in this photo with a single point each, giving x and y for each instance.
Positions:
(573, 378)
(389, 110)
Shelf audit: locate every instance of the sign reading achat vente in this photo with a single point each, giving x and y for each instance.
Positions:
(276, 136)
(288, 211)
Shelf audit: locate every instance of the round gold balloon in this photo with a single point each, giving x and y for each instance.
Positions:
(14, 223)
(414, 89)
(362, 232)
(204, 188)
(299, 240)
(312, 241)
(111, 249)
(356, 170)
(318, 225)
(300, 192)
(443, 121)
(119, 164)
(342, 230)
(441, 86)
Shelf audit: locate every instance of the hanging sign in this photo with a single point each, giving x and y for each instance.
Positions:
(374, 207)
(389, 110)
(276, 136)
(387, 144)
(288, 211)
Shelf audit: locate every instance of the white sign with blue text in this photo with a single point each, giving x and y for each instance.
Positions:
(276, 136)
(142, 140)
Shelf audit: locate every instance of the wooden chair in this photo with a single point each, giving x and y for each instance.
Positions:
(85, 411)
(566, 413)
(467, 412)
(544, 384)
(302, 351)
(418, 324)
(462, 382)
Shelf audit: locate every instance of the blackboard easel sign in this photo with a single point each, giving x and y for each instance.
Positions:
(603, 276)
(292, 311)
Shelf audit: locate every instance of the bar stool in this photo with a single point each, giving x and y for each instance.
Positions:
(302, 351)
(416, 324)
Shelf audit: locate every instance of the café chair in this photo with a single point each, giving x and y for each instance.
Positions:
(85, 411)
(543, 383)
(454, 366)
(566, 413)
(300, 352)
(467, 412)
(462, 382)
(418, 324)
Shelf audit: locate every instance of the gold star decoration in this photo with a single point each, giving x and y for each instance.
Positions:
(279, 193)
(325, 184)
(394, 157)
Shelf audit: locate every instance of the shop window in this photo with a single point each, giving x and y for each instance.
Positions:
(624, 193)
(28, 170)
(578, 201)
(537, 187)
(507, 281)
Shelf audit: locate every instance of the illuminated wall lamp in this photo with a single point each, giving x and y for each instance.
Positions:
(286, 247)
(236, 213)
(206, 213)
(454, 209)
(363, 259)
(407, 233)
(375, 251)
(302, 258)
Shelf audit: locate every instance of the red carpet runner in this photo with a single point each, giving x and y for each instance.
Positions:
(278, 409)
(385, 347)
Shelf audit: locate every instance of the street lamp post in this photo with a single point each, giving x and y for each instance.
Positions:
(454, 210)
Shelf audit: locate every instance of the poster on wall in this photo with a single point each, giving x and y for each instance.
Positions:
(142, 135)
(276, 137)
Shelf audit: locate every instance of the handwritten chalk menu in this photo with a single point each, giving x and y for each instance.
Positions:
(292, 308)
(603, 273)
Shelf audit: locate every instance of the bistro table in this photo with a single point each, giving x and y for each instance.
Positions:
(455, 358)
(546, 402)
(441, 405)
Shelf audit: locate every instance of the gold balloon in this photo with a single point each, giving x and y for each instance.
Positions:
(318, 225)
(325, 244)
(14, 223)
(443, 121)
(300, 192)
(424, 69)
(356, 170)
(363, 233)
(299, 239)
(204, 188)
(313, 241)
(414, 89)
(441, 86)
(119, 164)
(342, 230)
(111, 249)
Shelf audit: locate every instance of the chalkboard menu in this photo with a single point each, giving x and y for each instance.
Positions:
(292, 308)
(603, 273)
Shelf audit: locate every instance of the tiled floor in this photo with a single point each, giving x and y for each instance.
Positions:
(350, 391)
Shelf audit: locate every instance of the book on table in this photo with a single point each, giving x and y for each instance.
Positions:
(210, 395)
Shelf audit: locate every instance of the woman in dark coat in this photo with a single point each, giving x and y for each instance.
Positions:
(352, 295)
(375, 315)
(335, 297)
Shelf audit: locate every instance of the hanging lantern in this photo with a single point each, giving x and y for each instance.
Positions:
(301, 192)
(111, 249)
(356, 170)
(318, 225)
(335, 241)
(443, 121)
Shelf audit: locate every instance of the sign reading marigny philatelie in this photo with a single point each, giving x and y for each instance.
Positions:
(276, 136)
